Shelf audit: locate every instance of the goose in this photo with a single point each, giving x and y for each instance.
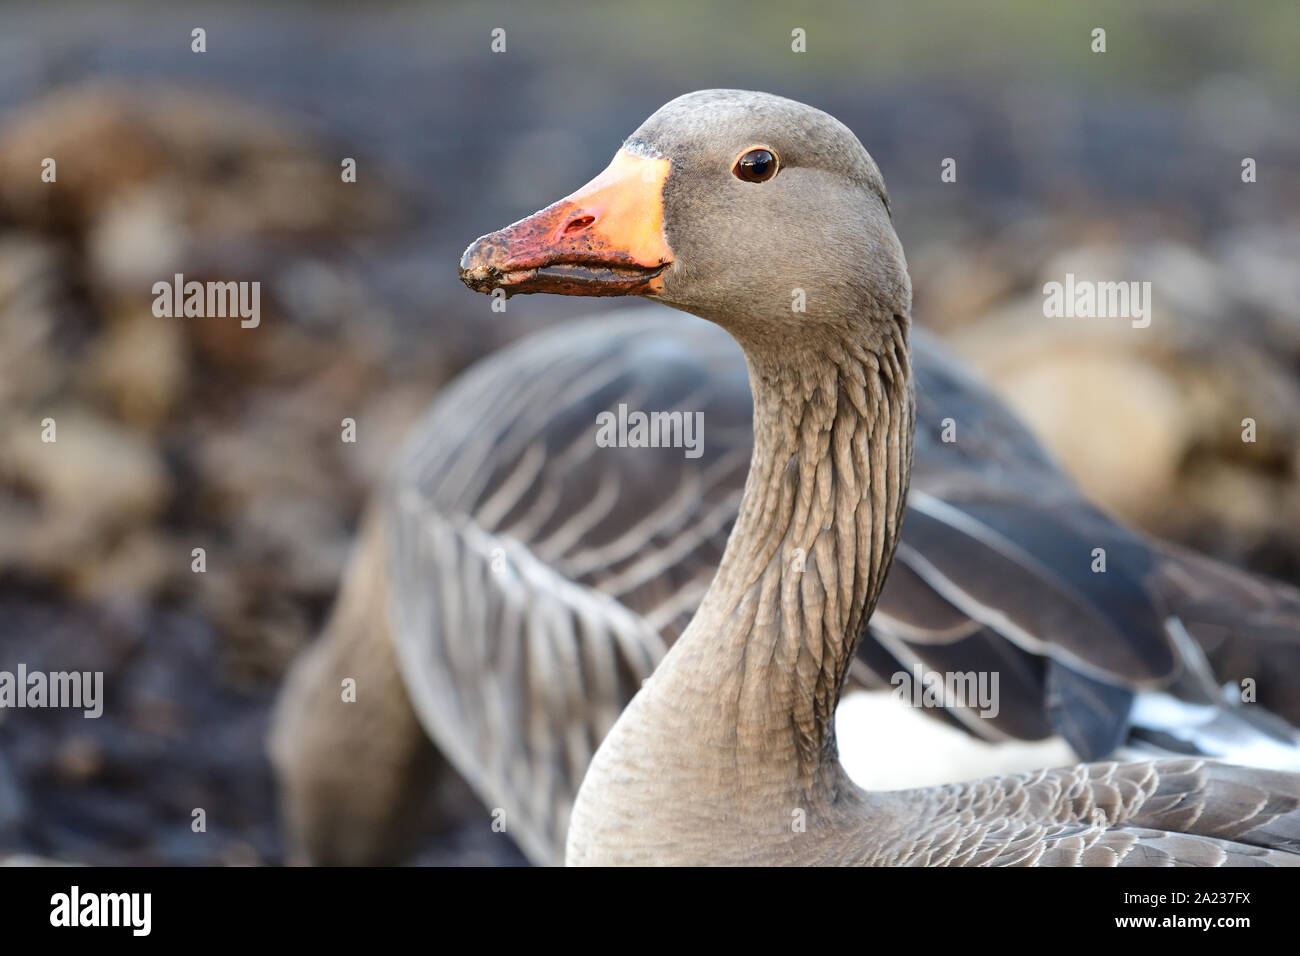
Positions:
(573, 570)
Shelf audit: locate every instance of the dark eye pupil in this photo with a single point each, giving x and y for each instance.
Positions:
(756, 165)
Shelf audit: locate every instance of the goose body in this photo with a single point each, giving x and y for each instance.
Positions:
(532, 582)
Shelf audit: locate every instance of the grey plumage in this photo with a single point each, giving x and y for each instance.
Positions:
(1165, 813)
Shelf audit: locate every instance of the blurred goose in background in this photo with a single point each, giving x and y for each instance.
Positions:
(521, 582)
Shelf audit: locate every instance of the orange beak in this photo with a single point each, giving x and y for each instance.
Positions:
(605, 239)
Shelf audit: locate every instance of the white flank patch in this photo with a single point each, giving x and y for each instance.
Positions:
(887, 745)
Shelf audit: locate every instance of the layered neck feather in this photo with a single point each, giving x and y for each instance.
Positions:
(739, 717)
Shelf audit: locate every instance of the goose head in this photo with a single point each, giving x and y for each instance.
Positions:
(759, 213)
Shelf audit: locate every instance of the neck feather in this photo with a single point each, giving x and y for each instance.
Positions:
(761, 666)
(727, 754)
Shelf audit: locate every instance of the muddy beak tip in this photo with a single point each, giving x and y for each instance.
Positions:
(476, 270)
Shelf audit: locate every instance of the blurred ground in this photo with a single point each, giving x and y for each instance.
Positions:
(175, 434)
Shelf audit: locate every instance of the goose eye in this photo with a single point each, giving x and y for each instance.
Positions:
(756, 166)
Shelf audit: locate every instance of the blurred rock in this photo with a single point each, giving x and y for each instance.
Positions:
(97, 474)
(132, 571)
(140, 365)
(1150, 420)
(84, 499)
(1119, 426)
(138, 237)
(235, 169)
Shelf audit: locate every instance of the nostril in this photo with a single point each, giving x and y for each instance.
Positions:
(578, 224)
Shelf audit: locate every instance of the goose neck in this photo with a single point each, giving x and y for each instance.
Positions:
(760, 668)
